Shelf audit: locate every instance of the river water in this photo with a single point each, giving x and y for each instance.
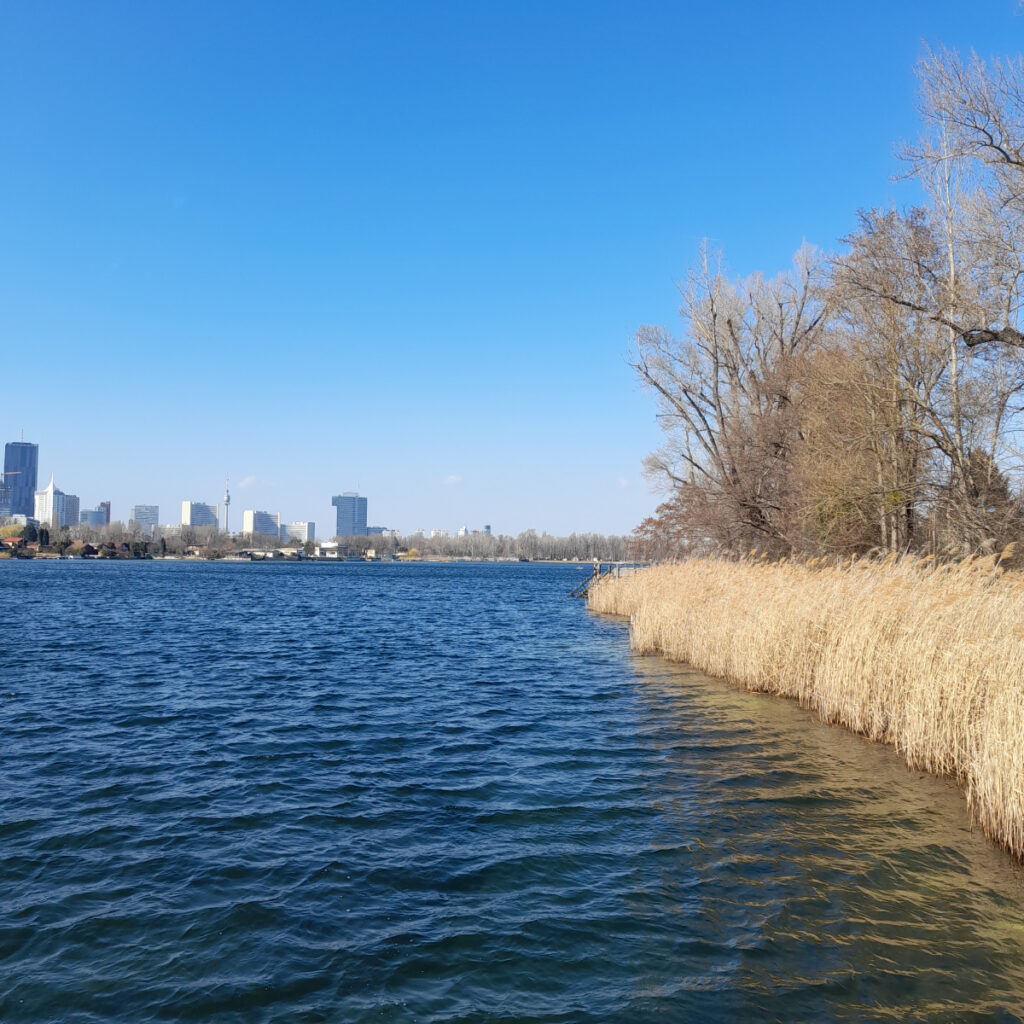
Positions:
(449, 793)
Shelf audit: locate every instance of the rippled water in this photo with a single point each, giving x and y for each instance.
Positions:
(448, 793)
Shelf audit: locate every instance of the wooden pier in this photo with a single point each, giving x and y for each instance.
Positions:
(602, 569)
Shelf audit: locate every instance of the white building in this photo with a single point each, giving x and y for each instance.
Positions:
(438, 533)
(266, 523)
(196, 513)
(463, 531)
(301, 532)
(54, 508)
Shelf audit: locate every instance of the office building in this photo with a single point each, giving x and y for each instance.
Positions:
(196, 513)
(105, 506)
(301, 532)
(21, 476)
(266, 523)
(94, 517)
(487, 529)
(71, 513)
(145, 517)
(376, 531)
(53, 508)
(351, 520)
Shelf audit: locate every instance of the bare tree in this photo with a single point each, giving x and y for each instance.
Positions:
(726, 393)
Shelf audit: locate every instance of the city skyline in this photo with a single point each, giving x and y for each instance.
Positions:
(402, 256)
(20, 496)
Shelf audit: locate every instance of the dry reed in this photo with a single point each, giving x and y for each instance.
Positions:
(929, 658)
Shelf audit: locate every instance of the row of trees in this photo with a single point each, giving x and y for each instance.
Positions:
(528, 544)
(868, 399)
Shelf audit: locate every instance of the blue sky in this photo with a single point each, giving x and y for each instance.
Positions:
(404, 247)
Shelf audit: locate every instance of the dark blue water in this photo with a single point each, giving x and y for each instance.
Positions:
(448, 793)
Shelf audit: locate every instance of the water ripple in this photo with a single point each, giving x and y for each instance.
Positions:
(445, 793)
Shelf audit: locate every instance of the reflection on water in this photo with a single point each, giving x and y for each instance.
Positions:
(447, 793)
(842, 884)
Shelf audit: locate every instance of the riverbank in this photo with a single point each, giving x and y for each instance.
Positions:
(929, 659)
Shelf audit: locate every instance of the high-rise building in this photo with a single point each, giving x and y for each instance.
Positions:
(94, 517)
(145, 517)
(351, 514)
(71, 507)
(105, 505)
(298, 531)
(195, 513)
(21, 476)
(265, 523)
(53, 508)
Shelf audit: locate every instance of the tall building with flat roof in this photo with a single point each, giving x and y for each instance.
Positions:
(298, 531)
(21, 476)
(266, 523)
(196, 513)
(105, 506)
(351, 514)
(94, 517)
(145, 517)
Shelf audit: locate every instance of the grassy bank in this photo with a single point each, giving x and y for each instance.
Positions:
(929, 659)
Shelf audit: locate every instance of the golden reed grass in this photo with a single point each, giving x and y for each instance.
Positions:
(929, 658)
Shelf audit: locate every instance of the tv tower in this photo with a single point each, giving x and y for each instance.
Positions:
(227, 502)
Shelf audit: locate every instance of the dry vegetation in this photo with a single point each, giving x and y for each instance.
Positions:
(871, 398)
(929, 658)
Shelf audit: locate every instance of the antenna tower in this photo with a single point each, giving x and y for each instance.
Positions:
(227, 502)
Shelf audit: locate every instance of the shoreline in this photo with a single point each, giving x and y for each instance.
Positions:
(928, 659)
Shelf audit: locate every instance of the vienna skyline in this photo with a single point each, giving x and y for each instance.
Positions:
(405, 252)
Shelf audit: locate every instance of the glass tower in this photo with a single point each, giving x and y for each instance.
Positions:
(21, 476)
(351, 514)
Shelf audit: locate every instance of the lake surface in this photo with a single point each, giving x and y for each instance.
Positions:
(449, 793)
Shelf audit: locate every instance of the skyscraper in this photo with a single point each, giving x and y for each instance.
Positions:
(53, 508)
(266, 523)
(298, 531)
(146, 517)
(105, 505)
(195, 513)
(351, 514)
(21, 476)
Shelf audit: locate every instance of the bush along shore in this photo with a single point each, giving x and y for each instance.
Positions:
(929, 658)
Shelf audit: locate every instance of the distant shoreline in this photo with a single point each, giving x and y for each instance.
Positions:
(48, 557)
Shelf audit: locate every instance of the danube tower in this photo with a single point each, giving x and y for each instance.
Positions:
(227, 502)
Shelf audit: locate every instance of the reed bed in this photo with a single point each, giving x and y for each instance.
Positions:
(928, 658)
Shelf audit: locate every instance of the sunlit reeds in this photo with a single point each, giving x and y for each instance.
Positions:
(929, 658)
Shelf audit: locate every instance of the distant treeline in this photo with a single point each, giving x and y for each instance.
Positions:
(528, 544)
(871, 398)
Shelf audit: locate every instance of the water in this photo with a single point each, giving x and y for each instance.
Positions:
(448, 793)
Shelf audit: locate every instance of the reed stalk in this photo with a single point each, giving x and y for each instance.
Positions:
(928, 658)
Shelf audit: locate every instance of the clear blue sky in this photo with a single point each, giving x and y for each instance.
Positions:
(404, 247)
